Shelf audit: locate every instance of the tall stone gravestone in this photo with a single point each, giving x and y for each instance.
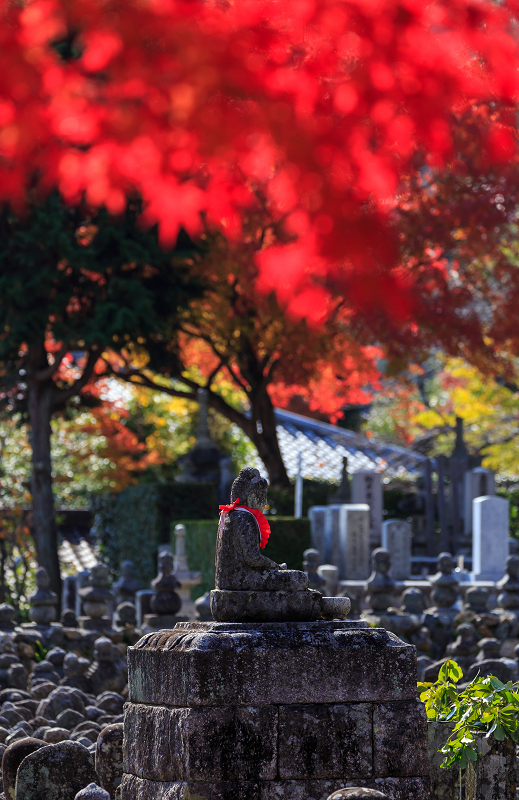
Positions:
(366, 487)
(289, 707)
(341, 534)
(396, 537)
(478, 482)
(490, 534)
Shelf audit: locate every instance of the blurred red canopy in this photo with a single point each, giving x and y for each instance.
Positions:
(320, 106)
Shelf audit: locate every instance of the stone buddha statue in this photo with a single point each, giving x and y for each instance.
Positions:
(240, 564)
(445, 584)
(249, 585)
(380, 585)
(509, 585)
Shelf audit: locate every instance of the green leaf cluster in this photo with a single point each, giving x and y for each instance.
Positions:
(486, 707)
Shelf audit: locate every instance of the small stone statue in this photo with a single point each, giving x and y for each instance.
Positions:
(68, 618)
(42, 609)
(509, 585)
(445, 584)
(439, 620)
(250, 586)
(125, 616)
(488, 648)
(96, 599)
(413, 601)
(476, 600)
(203, 607)
(380, 585)
(165, 603)
(166, 600)
(75, 669)
(464, 649)
(105, 674)
(126, 587)
(311, 561)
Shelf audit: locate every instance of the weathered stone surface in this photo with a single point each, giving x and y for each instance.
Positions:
(59, 700)
(56, 772)
(445, 783)
(134, 788)
(491, 777)
(140, 789)
(394, 788)
(252, 606)
(69, 719)
(92, 792)
(109, 756)
(11, 760)
(55, 735)
(201, 744)
(358, 793)
(216, 664)
(400, 739)
(306, 751)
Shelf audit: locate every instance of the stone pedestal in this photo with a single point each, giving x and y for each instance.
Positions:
(257, 711)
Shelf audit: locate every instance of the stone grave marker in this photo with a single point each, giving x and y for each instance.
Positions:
(478, 482)
(343, 533)
(489, 537)
(396, 537)
(366, 487)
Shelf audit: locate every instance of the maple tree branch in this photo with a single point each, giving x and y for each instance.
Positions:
(216, 402)
(65, 394)
(45, 374)
(213, 374)
(270, 371)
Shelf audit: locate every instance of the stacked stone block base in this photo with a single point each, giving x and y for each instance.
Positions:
(272, 711)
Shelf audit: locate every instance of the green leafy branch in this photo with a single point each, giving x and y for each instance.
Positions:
(486, 707)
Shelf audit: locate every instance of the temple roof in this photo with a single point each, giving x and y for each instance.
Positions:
(323, 446)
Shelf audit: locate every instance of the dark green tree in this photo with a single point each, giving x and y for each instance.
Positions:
(72, 285)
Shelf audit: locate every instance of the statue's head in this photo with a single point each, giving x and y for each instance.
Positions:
(99, 575)
(127, 569)
(413, 601)
(466, 631)
(251, 488)
(165, 563)
(42, 578)
(446, 563)
(381, 559)
(512, 566)
(103, 649)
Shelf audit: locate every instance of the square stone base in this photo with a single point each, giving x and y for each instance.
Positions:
(272, 711)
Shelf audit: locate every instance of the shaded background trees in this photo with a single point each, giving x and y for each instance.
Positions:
(70, 286)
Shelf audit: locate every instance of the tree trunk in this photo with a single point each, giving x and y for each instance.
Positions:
(264, 436)
(40, 397)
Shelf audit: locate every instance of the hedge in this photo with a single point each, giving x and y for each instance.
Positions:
(290, 537)
(133, 523)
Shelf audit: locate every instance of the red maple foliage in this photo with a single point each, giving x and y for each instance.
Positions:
(325, 104)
